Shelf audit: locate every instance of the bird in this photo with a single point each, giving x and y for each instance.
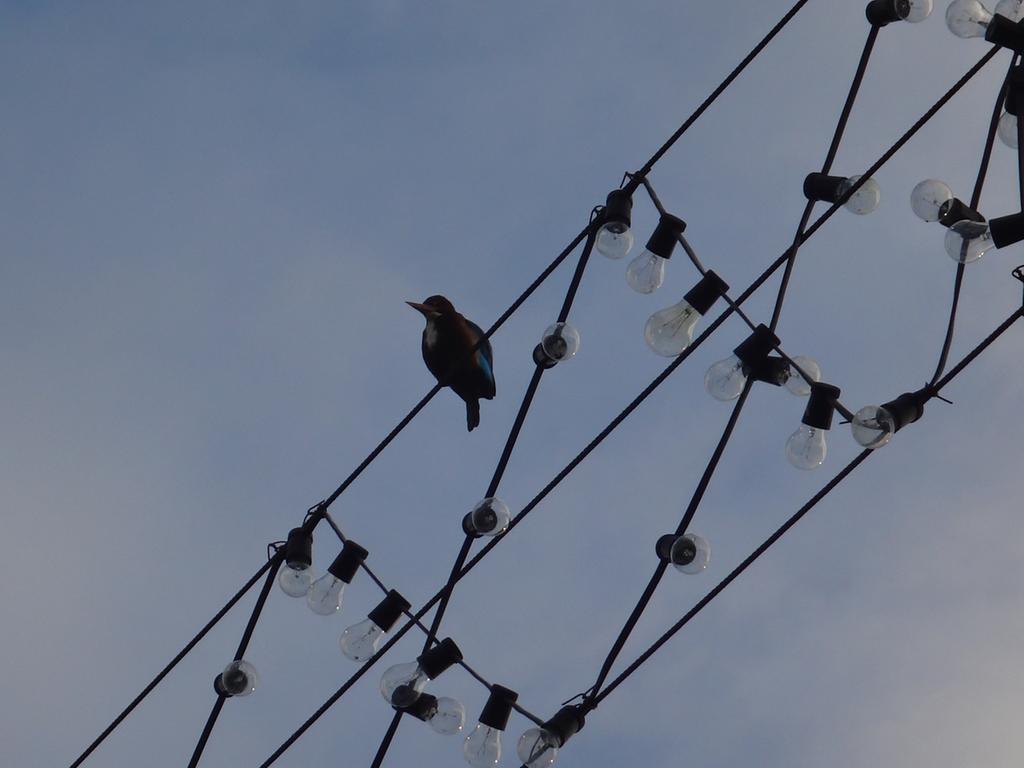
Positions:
(448, 346)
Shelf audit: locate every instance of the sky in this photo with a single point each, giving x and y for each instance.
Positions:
(213, 216)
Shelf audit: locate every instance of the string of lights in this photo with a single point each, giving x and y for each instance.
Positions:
(749, 364)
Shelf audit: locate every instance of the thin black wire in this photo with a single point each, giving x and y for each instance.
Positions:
(795, 518)
(492, 487)
(830, 156)
(172, 664)
(646, 392)
(712, 465)
(243, 644)
(719, 90)
(979, 183)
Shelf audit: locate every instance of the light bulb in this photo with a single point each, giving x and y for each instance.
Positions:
(402, 684)
(537, 747)
(326, 593)
(324, 596)
(865, 199)
(489, 517)
(1008, 130)
(360, 641)
(968, 241)
(646, 272)
(688, 553)
(1011, 9)
(806, 447)
(929, 198)
(918, 10)
(726, 378)
(448, 718)
(560, 341)
(295, 576)
(239, 678)
(967, 18)
(482, 748)
(873, 426)
(796, 383)
(614, 237)
(668, 332)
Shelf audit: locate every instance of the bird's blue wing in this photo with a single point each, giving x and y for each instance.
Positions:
(484, 358)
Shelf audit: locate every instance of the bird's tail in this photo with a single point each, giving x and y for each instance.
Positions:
(472, 413)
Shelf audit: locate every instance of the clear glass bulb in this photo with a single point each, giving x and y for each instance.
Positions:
(239, 678)
(865, 199)
(797, 384)
(1011, 9)
(482, 748)
(690, 553)
(646, 272)
(967, 18)
(295, 582)
(919, 11)
(560, 341)
(490, 516)
(968, 241)
(536, 747)
(614, 240)
(1008, 130)
(402, 684)
(324, 597)
(725, 379)
(448, 718)
(668, 332)
(806, 447)
(873, 426)
(928, 198)
(360, 641)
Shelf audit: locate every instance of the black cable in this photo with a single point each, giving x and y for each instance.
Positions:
(826, 489)
(830, 157)
(646, 392)
(385, 743)
(268, 583)
(979, 183)
(172, 664)
(719, 90)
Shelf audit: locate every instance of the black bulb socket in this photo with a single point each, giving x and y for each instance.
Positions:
(772, 370)
(618, 208)
(1008, 34)
(684, 556)
(1007, 230)
(348, 561)
(821, 405)
(1015, 90)
(882, 12)
(566, 723)
(424, 708)
(907, 408)
(540, 357)
(437, 659)
(706, 292)
(387, 611)
(956, 210)
(666, 235)
(298, 549)
(218, 686)
(498, 707)
(820, 186)
(755, 348)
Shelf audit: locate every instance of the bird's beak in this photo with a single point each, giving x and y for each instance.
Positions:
(422, 308)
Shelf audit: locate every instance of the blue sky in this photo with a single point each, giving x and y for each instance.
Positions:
(213, 218)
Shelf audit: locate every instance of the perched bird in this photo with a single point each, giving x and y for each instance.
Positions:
(448, 342)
